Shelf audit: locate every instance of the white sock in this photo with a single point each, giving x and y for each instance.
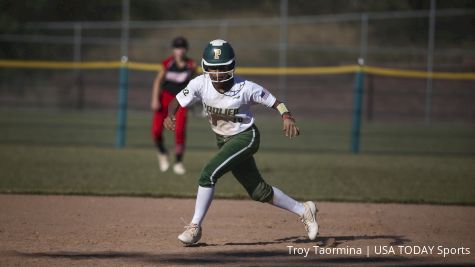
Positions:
(203, 201)
(283, 201)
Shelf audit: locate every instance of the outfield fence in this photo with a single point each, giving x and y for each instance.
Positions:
(142, 66)
(353, 93)
(318, 92)
(75, 67)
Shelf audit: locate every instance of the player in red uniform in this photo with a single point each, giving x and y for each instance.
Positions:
(177, 71)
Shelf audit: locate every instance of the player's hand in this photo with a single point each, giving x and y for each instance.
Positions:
(169, 123)
(289, 128)
(155, 105)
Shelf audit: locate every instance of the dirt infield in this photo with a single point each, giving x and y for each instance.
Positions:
(122, 231)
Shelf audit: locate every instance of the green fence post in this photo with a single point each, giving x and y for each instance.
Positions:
(122, 112)
(357, 104)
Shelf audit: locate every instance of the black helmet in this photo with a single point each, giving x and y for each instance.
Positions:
(220, 54)
(180, 42)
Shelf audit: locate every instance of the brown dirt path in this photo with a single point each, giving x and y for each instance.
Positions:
(123, 231)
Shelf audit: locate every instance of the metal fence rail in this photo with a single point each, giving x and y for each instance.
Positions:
(423, 81)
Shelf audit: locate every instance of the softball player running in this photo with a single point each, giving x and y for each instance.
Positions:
(227, 100)
(177, 71)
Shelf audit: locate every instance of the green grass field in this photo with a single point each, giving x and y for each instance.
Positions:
(73, 153)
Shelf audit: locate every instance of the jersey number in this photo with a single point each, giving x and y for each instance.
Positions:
(216, 117)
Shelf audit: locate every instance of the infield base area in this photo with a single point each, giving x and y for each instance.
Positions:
(124, 231)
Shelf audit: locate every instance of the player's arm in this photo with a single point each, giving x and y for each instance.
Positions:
(155, 103)
(263, 96)
(288, 125)
(183, 99)
(169, 121)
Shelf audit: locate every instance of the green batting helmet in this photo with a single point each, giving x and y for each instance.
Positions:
(218, 55)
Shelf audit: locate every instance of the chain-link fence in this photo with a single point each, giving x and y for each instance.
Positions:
(389, 39)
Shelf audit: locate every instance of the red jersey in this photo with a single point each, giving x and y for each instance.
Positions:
(177, 78)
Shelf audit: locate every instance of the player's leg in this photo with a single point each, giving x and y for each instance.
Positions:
(157, 130)
(250, 178)
(231, 152)
(248, 175)
(307, 210)
(192, 234)
(180, 138)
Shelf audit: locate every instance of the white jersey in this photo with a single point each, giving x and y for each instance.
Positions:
(229, 113)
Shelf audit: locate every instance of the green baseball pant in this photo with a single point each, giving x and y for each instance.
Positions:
(236, 155)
